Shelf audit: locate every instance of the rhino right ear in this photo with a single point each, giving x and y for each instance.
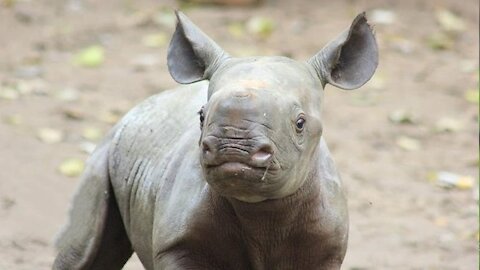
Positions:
(192, 55)
(350, 60)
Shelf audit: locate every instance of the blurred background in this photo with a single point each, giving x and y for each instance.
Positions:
(406, 144)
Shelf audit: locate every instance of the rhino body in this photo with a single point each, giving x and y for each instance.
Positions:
(245, 190)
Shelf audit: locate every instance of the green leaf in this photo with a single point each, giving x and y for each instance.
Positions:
(472, 96)
(236, 29)
(440, 41)
(260, 26)
(401, 117)
(90, 57)
(155, 40)
(71, 167)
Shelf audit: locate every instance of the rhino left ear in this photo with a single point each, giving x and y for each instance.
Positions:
(350, 60)
(192, 55)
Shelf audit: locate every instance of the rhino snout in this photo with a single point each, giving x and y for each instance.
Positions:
(217, 151)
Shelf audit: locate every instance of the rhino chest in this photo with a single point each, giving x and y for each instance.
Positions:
(233, 250)
(214, 237)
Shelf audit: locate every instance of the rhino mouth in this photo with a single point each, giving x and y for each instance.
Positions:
(235, 170)
(235, 166)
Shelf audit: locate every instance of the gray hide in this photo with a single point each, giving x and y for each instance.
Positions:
(227, 174)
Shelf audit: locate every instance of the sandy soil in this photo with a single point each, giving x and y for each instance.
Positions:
(399, 219)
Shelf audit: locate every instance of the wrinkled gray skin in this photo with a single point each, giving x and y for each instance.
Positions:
(254, 187)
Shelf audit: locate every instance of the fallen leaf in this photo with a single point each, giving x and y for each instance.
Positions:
(110, 117)
(245, 51)
(144, 62)
(9, 3)
(440, 41)
(155, 40)
(401, 117)
(50, 135)
(364, 99)
(451, 180)
(72, 167)
(472, 96)
(378, 81)
(441, 221)
(260, 26)
(90, 57)
(74, 114)
(236, 29)
(14, 119)
(37, 86)
(468, 65)
(166, 18)
(449, 21)
(137, 19)
(402, 44)
(92, 133)
(87, 147)
(29, 72)
(382, 16)
(9, 93)
(407, 143)
(447, 124)
(68, 94)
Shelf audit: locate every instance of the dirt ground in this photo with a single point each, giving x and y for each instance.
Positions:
(400, 217)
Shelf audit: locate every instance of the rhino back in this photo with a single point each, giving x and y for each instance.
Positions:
(151, 142)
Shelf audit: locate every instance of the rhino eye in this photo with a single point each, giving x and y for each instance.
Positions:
(300, 124)
(202, 117)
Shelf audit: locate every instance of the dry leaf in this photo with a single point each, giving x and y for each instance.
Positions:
(449, 21)
(407, 143)
(441, 41)
(447, 124)
(144, 62)
(87, 147)
(92, 133)
(72, 167)
(9, 93)
(68, 94)
(472, 96)
(156, 40)
(110, 117)
(451, 180)
(441, 221)
(401, 117)
(14, 119)
(236, 29)
(382, 16)
(165, 18)
(50, 135)
(75, 114)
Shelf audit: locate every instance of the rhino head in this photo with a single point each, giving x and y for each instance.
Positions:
(261, 124)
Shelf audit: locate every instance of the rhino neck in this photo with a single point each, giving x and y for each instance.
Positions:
(279, 215)
(274, 228)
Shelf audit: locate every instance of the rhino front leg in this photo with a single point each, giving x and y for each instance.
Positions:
(95, 236)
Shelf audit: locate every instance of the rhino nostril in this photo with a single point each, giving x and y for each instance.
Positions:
(263, 155)
(206, 148)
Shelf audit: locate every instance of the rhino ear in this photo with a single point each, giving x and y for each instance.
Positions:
(192, 55)
(350, 60)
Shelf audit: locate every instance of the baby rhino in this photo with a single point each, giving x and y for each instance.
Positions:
(230, 174)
